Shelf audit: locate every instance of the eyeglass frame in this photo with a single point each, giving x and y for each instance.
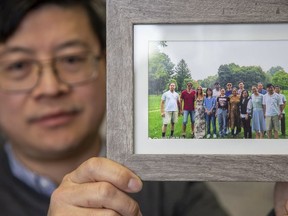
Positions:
(52, 63)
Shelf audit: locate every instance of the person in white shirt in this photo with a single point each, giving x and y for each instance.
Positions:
(273, 107)
(216, 90)
(171, 101)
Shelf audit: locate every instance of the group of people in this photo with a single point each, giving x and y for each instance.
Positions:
(233, 108)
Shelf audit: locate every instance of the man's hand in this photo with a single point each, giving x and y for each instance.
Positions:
(281, 198)
(163, 114)
(97, 187)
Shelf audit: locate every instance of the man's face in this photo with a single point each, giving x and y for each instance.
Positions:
(277, 90)
(229, 85)
(270, 89)
(260, 86)
(241, 85)
(53, 118)
(189, 86)
(217, 86)
(172, 87)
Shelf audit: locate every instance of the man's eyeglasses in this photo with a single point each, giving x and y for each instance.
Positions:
(72, 69)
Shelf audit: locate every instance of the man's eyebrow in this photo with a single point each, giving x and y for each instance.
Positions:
(11, 50)
(71, 44)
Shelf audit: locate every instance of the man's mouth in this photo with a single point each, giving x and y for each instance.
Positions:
(54, 118)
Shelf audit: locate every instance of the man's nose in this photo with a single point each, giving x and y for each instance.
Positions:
(49, 84)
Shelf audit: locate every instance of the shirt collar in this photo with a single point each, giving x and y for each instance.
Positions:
(39, 183)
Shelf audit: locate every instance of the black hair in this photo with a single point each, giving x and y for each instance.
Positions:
(269, 85)
(241, 96)
(209, 89)
(216, 83)
(12, 12)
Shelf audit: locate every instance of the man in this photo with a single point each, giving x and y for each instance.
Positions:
(52, 93)
(188, 97)
(240, 87)
(283, 99)
(228, 93)
(216, 90)
(273, 107)
(260, 88)
(171, 101)
(222, 111)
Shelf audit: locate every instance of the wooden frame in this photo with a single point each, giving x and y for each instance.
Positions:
(122, 15)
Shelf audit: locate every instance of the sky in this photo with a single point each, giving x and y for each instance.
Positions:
(205, 57)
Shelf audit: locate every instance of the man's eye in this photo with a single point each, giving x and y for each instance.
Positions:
(72, 59)
(21, 66)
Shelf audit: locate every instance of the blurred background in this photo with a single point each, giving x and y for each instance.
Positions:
(244, 198)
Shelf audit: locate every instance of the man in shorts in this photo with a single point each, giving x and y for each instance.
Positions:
(171, 101)
(188, 96)
(273, 107)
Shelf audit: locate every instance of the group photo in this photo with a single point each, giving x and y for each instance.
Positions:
(234, 98)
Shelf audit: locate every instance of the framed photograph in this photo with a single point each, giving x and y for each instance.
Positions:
(151, 45)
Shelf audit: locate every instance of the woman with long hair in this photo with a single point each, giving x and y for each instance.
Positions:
(245, 116)
(234, 115)
(210, 108)
(255, 107)
(199, 129)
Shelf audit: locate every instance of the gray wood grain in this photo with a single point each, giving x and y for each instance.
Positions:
(121, 16)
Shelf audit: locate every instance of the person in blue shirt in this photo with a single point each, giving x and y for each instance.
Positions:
(260, 88)
(210, 108)
(229, 88)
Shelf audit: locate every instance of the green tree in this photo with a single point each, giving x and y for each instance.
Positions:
(280, 78)
(225, 74)
(233, 73)
(274, 70)
(182, 72)
(160, 70)
(209, 81)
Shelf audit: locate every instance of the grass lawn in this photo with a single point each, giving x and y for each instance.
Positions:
(155, 120)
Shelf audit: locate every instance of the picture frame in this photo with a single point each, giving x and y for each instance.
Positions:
(122, 16)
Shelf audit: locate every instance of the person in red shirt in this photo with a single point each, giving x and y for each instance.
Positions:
(188, 97)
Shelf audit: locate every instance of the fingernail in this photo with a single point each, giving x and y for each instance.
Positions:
(135, 185)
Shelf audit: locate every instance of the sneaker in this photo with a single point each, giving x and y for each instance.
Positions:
(208, 136)
(214, 136)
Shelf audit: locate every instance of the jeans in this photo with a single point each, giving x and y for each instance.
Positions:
(185, 116)
(222, 120)
(211, 119)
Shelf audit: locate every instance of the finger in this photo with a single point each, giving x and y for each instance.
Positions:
(96, 195)
(101, 169)
(76, 211)
(286, 208)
